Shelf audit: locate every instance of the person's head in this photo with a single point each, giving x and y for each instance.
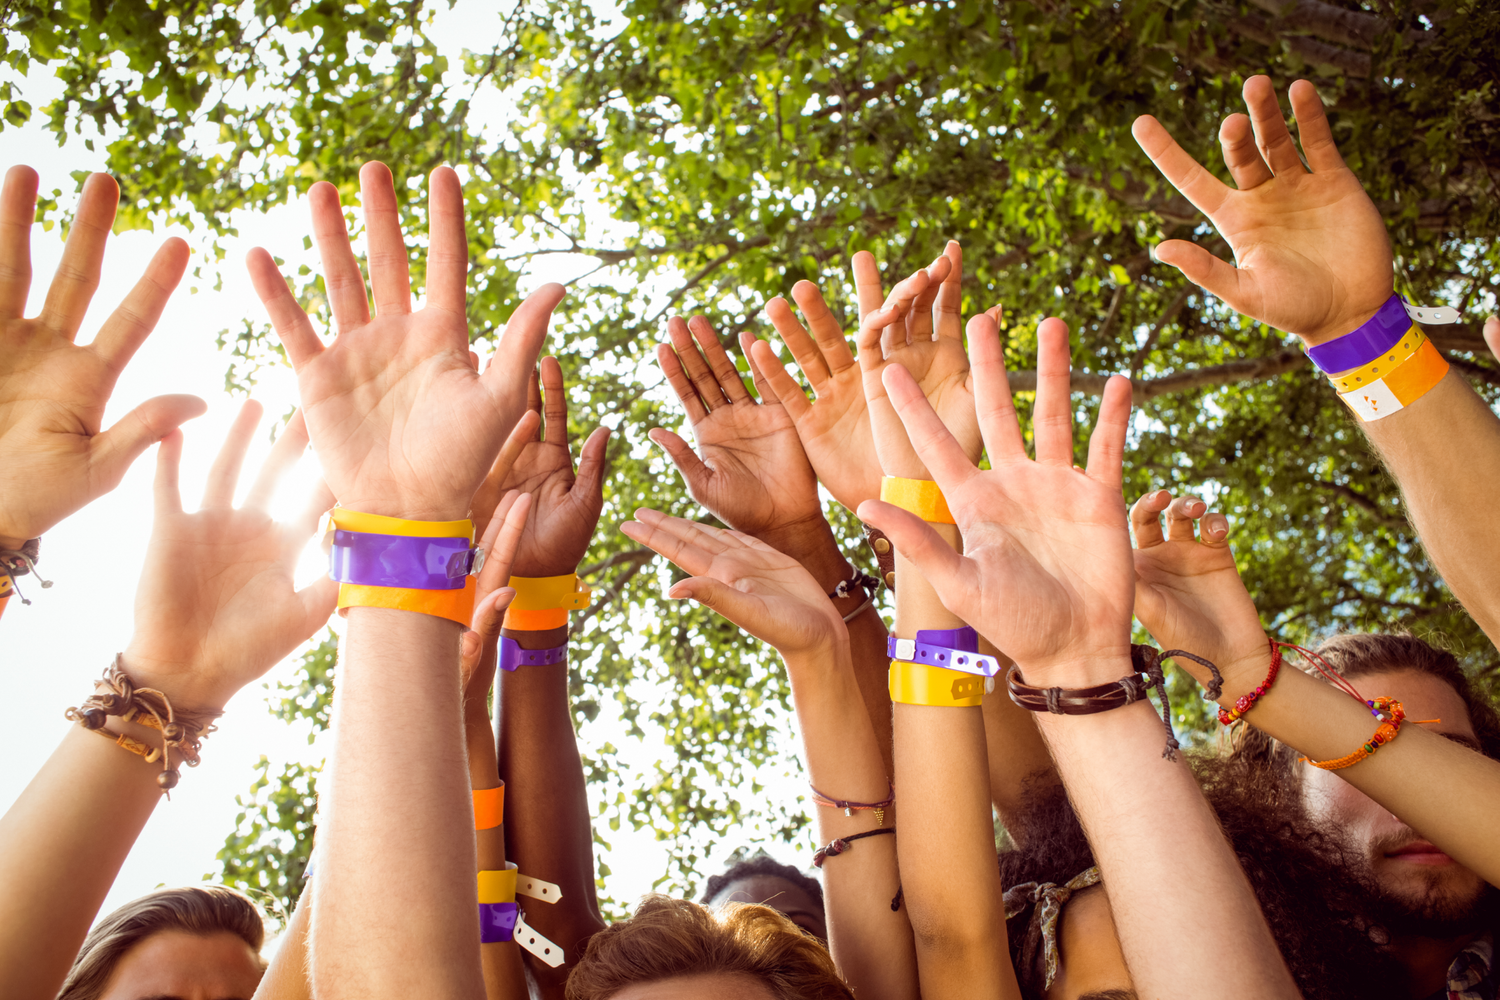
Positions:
(194, 943)
(764, 880)
(675, 949)
(1411, 886)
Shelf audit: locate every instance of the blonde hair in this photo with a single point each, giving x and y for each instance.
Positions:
(677, 937)
(198, 909)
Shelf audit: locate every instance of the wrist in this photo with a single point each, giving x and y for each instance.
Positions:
(1344, 325)
(187, 693)
(14, 544)
(1079, 670)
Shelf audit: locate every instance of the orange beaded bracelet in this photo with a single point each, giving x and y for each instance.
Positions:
(1389, 727)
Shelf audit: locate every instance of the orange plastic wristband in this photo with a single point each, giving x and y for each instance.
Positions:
(919, 496)
(1401, 387)
(489, 807)
(536, 619)
(454, 605)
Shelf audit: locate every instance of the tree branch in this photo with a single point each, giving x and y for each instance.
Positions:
(1250, 370)
(1330, 23)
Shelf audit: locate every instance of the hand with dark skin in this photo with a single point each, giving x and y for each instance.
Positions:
(55, 456)
(549, 833)
(750, 470)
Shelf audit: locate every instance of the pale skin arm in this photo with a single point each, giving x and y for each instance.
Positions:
(404, 427)
(1045, 575)
(215, 610)
(946, 842)
(768, 595)
(287, 977)
(1190, 596)
(1313, 258)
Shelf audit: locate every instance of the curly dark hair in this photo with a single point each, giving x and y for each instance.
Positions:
(761, 863)
(1299, 892)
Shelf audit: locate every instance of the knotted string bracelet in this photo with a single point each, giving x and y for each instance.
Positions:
(148, 707)
(850, 808)
(1125, 691)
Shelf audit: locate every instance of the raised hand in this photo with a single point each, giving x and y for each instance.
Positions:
(54, 458)
(918, 327)
(1189, 594)
(835, 427)
(750, 469)
(1045, 574)
(216, 607)
(539, 461)
(402, 422)
(1311, 254)
(757, 588)
(477, 655)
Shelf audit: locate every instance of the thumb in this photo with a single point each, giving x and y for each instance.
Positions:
(738, 607)
(1205, 270)
(112, 452)
(592, 464)
(693, 469)
(924, 548)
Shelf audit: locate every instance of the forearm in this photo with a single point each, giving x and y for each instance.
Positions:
(870, 942)
(1444, 452)
(549, 829)
(393, 902)
(1443, 790)
(814, 546)
(946, 836)
(288, 976)
(1148, 822)
(504, 977)
(61, 845)
(1016, 752)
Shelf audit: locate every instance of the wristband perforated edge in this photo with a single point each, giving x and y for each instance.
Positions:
(1405, 384)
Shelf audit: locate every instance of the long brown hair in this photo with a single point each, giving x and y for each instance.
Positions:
(669, 937)
(197, 909)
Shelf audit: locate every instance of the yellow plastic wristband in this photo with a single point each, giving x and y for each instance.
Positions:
(379, 524)
(454, 605)
(539, 593)
(919, 496)
(498, 887)
(1383, 365)
(1403, 386)
(921, 684)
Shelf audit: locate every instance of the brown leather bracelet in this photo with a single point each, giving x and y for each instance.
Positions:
(885, 554)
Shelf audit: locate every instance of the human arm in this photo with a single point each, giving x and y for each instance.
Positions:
(1312, 257)
(751, 472)
(769, 595)
(405, 427)
(549, 832)
(1190, 596)
(215, 610)
(946, 843)
(1045, 575)
(55, 457)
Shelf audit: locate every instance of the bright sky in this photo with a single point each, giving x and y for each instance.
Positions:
(53, 649)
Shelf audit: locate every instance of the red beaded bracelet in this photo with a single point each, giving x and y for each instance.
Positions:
(1245, 702)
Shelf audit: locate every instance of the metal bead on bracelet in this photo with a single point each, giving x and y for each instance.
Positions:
(19, 562)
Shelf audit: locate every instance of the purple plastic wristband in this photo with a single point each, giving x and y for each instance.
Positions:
(953, 649)
(497, 922)
(1367, 342)
(400, 561)
(513, 656)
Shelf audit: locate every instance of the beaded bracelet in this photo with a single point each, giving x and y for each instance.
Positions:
(1245, 702)
(1391, 713)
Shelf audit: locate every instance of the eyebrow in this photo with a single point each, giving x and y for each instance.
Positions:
(1110, 995)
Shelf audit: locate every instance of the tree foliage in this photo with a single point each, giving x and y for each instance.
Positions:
(738, 147)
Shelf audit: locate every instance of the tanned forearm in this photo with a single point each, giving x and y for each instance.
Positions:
(1148, 822)
(1444, 452)
(1015, 749)
(393, 895)
(546, 805)
(504, 978)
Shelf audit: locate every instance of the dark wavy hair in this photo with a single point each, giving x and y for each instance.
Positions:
(761, 863)
(196, 909)
(1299, 892)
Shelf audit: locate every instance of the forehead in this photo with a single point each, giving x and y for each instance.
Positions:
(1423, 696)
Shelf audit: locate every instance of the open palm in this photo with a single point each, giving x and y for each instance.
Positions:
(764, 592)
(750, 468)
(1311, 254)
(1045, 574)
(402, 422)
(1188, 592)
(54, 458)
(835, 427)
(216, 607)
